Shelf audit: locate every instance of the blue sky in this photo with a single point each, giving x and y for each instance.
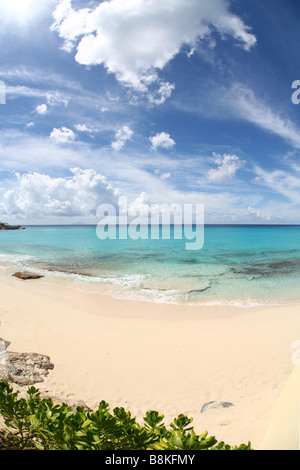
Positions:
(162, 102)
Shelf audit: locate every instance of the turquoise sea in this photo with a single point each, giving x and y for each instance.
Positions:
(238, 265)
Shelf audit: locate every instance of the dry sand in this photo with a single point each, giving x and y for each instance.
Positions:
(147, 356)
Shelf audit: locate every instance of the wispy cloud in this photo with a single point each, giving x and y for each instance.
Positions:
(55, 90)
(257, 214)
(244, 104)
(281, 182)
(236, 101)
(27, 151)
(165, 176)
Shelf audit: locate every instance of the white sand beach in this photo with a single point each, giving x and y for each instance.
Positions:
(148, 356)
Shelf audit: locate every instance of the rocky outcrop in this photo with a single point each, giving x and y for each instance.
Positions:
(6, 226)
(68, 271)
(25, 276)
(23, 368)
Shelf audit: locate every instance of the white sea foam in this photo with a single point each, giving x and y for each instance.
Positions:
(132, 287)
(126, 281)
(16, 259)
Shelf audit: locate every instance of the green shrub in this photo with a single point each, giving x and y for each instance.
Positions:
(38, 423)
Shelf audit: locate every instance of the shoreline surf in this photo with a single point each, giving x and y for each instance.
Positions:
(244, 266)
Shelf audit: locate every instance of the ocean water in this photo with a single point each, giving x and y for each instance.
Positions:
(238, 265)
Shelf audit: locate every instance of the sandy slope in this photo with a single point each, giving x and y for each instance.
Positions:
(143, 355)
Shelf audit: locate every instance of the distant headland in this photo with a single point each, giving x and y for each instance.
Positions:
(6, 226)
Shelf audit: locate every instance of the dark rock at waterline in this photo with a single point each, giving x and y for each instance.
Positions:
(197, 291)
(69, 271)
(25, 276)
(215, 405)
(5, 226)
(268, 268)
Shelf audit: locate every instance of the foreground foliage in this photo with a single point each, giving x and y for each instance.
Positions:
(38, 423)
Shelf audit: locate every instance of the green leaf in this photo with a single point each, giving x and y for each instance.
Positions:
(40, 424)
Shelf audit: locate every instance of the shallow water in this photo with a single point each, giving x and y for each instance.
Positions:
(238, 265)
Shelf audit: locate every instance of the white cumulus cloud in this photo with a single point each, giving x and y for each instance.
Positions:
(135, 39)
(40, 195)
(227, 167)
(162, 139)
(62, 135)
(85, 129)
(121, 137)
(41, 109)
(82, 128)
